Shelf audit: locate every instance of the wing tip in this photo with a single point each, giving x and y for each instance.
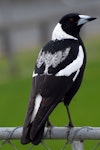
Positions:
(25, 141)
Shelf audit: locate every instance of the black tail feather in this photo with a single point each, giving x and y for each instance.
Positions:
(25, 139)
(33, 132)
(30, 135)
(36, 139)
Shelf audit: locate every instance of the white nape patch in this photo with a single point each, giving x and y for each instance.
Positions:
(36, 106)
(83, 19)
(59, 34)
(49, 59)
(74, 66)
(34, 74)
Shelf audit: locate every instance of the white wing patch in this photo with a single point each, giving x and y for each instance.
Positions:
(76, 74)
(59, 34)
(34, 74)
(49, 59)
(36, 106)
(74, 66)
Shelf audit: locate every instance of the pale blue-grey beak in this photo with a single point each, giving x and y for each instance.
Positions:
(84, 19)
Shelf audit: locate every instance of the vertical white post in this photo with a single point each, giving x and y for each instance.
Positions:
(77, 145)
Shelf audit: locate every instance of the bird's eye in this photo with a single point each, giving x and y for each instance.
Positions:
(71, 20)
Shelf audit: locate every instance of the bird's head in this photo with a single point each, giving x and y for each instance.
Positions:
(71, 23)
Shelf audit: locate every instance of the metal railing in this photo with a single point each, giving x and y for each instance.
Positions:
(75, 136)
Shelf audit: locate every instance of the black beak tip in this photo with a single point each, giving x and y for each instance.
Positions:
(92, 18)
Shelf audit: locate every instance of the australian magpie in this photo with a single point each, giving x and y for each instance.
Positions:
(57, 76)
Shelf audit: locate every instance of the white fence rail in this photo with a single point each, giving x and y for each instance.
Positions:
(75, 135)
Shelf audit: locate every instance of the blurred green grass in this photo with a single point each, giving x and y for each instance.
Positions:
(15, 91)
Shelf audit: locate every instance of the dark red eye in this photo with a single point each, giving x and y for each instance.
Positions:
(72, 20)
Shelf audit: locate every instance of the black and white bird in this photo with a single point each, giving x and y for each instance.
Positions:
(57, 76)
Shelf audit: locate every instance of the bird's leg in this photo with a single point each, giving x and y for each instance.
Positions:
(70, 125)
(48, 123)
(69, 117)
(49, 126)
